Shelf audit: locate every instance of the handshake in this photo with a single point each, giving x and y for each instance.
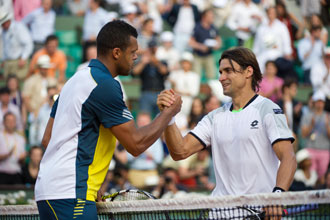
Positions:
(169, 101)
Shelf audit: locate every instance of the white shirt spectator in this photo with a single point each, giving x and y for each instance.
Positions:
(41, 24)
(271, 42)
(242, 16)
(300, 176)
(7, 143)
(18, 42)
(315, 56)
(93, 23)
(15, 110)
(187, 84)
(318, 78)
(171, 56)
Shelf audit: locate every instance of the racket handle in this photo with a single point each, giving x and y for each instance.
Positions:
(299, 209)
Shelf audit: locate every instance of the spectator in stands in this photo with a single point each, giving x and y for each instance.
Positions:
(142, 171)
(130, 15)
(146, 35)
(316, 128)
(78, 7)
(221, 10)
(304, 173)
(12, 151)
(6, 106)
(271, 84)
(30, 170)
(35, 89)
(38, 122)
(168, 185)
(23, 8)
(96, 17)
(243, 19)
(211, 103)
(291, 107)
(294, 25)
(57, 59)
(166, 52)
(185, 82)
(12, 83)
(182, 17)
(191, 169)
(320, 77)
(204, 40)
(152, 73)
(308, 8)
(41, 22)
(272, 40)
(17, 46)
(91, 53)
(310, 51)
(315, 20)
(196, 113)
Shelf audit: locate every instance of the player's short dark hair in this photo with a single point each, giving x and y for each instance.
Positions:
(244, 57)
(115, 34)
(51, 38)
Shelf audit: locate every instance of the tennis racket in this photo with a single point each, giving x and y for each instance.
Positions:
(128, 195)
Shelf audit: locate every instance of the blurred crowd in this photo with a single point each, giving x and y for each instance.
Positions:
(180, 42)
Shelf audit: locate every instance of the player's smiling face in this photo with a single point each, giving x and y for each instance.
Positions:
(232, 77)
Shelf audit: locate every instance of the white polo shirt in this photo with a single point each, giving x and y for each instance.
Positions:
(243, 157)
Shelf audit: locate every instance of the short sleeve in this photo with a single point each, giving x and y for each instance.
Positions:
(275, 123)
(203, 130)
(107, 103)
(54, 108)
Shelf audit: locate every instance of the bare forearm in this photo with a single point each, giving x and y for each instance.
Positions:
(286, 172)
(175, 142)
(145, 136)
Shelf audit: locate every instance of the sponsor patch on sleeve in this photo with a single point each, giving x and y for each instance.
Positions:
(278, 111)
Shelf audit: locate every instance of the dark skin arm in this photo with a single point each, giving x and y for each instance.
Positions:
(48, 133)
(137, 140)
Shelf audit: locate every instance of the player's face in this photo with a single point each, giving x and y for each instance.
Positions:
(128, 58)
(233, 80)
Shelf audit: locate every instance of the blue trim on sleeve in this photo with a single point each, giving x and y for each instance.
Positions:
(54, 108)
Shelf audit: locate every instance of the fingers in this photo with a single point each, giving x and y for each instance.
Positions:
(165, 99)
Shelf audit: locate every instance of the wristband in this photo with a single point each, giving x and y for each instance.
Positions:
(278, 190)
(172, 121)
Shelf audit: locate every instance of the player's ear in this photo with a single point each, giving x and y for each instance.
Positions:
(116, 53)
(249, 71)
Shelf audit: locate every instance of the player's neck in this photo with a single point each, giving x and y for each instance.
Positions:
(242, 99)
(109, 65)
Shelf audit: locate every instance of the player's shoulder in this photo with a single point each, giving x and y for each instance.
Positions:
(266, 106)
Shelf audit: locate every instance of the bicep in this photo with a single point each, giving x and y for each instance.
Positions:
(124, 133)
(192, 144)
(48, 132)
(283, 149)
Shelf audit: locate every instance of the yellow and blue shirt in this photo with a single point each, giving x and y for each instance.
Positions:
(81, 145)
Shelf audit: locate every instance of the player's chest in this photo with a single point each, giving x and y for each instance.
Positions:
(233, 127)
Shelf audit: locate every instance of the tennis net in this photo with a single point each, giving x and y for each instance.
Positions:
(291, 205)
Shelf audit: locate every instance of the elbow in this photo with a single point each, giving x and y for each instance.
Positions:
(178, 156)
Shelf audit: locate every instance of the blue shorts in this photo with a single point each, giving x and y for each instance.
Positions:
(63, 209)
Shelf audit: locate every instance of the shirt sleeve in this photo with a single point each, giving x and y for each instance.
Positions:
(26, 41)
(107, 103)
(275, 123)
(203, 130)
(54, 108)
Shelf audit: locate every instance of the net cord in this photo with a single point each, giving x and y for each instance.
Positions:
(265, 199)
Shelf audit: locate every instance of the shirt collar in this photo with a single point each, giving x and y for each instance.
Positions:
(98, 64)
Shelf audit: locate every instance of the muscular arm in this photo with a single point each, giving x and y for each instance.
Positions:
(178, 146)
(285, 173)
(48, 133)
(137, 140)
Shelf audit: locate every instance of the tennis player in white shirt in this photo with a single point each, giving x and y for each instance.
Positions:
(249, 136)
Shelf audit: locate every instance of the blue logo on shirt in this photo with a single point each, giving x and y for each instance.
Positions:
(254, 124)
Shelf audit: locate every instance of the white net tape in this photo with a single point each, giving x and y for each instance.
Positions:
(287, 198)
